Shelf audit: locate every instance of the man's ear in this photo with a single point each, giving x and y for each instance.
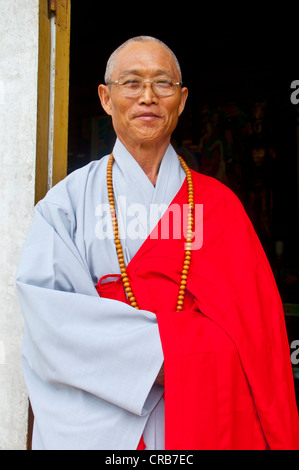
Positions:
(104, 95)
(184, 96)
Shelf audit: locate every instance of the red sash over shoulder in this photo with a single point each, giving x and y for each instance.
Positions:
(228, 376)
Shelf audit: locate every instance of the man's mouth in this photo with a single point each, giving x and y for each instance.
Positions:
(147, 116)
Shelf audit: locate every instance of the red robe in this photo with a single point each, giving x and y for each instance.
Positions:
(228, 375)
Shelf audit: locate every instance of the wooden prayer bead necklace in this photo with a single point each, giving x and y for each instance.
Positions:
(118, 245)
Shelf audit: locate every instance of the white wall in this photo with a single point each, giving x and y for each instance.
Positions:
(18, 110)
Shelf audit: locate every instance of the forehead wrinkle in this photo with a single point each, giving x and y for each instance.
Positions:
(151, 59)
(134, 45)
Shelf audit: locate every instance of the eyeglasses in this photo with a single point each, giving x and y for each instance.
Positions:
(131, 85)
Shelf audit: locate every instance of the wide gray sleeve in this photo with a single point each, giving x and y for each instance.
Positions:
(72, 336)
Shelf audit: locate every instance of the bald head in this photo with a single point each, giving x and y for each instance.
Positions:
(139, 39)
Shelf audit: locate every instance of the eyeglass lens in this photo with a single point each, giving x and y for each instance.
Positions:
(134, 85)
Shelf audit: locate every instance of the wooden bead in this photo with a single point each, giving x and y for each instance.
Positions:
(118, 245)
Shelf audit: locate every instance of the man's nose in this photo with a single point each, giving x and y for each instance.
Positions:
(148, 95)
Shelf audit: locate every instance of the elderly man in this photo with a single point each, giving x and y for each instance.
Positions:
(112, 292)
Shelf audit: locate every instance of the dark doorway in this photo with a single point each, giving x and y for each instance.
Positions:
(239, 125)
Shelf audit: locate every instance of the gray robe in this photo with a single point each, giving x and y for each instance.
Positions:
(90, 363)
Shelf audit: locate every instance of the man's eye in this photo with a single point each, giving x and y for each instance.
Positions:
(131, 83)
(164, 83)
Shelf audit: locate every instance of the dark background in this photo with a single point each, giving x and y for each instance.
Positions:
(238, 64)
(231, 60)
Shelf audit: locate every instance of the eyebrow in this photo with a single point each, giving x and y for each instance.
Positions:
(140, 73)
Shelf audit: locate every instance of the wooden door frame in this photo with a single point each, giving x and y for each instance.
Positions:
(53, 94)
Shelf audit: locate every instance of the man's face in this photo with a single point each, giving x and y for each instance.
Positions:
(145, 118)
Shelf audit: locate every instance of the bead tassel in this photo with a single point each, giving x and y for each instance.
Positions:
(188, 241)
